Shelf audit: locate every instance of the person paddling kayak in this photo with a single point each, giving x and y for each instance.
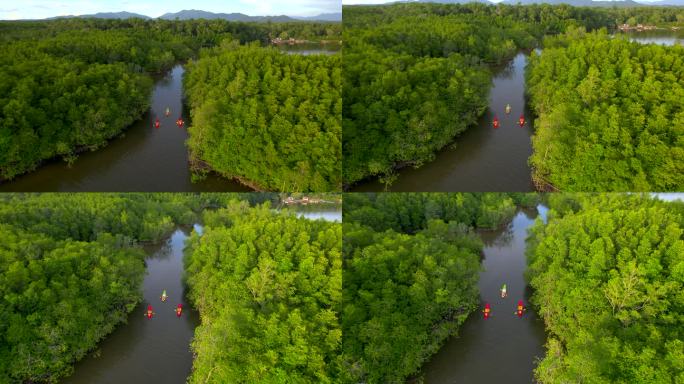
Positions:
(168, 112)
(149, 313)
(163, 296)
(521, 309)
(179, 310)
(487, 311)
(503, 291)
(495, 123)
(508, 109)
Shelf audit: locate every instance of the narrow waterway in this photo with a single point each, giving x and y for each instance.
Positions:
(144, 158)
(661, 37)
(146, 350)
(311, 49)
(484, 158)
(503, 348)
(157, 350)
(331, 213)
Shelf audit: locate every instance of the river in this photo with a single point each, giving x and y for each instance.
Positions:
(158, 350)
(662, 37)
(484, 159)
(504, 348)
(314, 212)
(311, 49)
(142, 159)
(146, 350)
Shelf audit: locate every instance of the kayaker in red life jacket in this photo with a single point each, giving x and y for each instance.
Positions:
(179, 310)
(156, 123)
(521, 120)
(521, 308)
(149, 313)
(496, 122)
(487, 311)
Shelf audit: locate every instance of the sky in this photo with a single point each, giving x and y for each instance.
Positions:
(40, 9)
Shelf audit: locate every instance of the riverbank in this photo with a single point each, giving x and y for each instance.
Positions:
(482, 158)
(142, 158)
(153, 350)
(515, 344)
(201, 169)
(641, 28)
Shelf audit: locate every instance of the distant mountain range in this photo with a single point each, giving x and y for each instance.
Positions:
(576, 3)
(196, 14)
(105, 15)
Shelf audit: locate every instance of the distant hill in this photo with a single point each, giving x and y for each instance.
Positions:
(580, 3)
(107, 15)
(196, 14)
(323, 17)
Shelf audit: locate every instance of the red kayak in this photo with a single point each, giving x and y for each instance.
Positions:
(521, 309)
(149, 312)
(179, 310)
(496, 122)
(156, 123)
(180, 123)
(487, 311)
(521, 120)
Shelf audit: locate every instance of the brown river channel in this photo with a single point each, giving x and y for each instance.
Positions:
(484, 158)
(143, 158)
(503, 348)
(157, 350)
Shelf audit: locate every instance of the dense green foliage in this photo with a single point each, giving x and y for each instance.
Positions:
(268, 287)
(266, 118)
(70, 85)
(611, 114)
(608, 279)
(415, 78)
(411, 265)
(411, 212)
(70, 272)
(415, 74)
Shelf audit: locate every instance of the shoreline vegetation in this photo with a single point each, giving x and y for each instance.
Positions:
(411, 268)
(90, 79)
(269, 300)
(641, 28)
(265, 118)
(72, 266)
(609, 113)
(392, 119)
(606, 278)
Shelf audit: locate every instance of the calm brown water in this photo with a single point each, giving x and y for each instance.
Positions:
(158, 350)
(146, 350)
(485, 159)
(311, 49)
(145, 159)
(504, 348)
(662, 37)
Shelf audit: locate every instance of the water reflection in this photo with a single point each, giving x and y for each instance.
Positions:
(512, 345)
